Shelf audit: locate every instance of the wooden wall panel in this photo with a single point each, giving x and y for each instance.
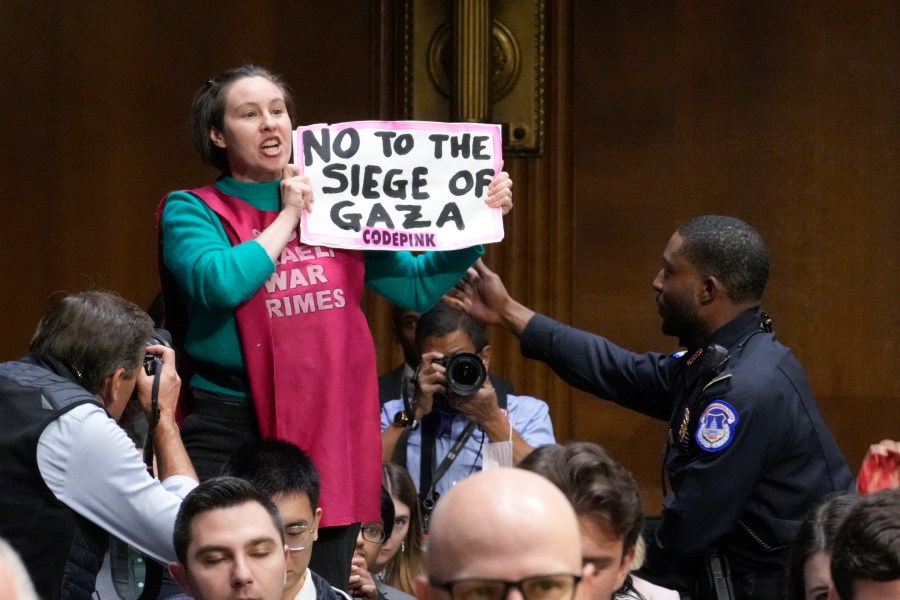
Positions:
(95, 128)
(535, 257)
(781, 114)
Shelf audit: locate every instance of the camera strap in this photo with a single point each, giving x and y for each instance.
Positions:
(152, 419)
(428, 475)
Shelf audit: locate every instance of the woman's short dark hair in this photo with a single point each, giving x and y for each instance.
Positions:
(816, 534)
(212, 494)
(94, 334)
(208, 110)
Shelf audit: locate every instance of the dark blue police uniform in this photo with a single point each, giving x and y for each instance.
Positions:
(748, 454)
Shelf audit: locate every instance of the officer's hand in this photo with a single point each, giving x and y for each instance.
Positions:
(481, 406)
(480, 293)
(169, 383)
(432, 379)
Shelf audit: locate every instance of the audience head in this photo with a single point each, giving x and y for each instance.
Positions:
(229, 539)
(500, 527)
(208, 110)
(607, 503)
(15, 584)
(99, 336)
(809, 572)
(288, 476)
(443, 321)
(403, 329)
(400, 560)
(373, 534)
(865, 561)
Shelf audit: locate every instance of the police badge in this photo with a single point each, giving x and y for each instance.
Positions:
(716, 427)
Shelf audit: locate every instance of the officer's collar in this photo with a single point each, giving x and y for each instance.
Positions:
(732, 332)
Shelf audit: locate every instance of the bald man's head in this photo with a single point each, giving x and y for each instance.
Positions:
(504, 524)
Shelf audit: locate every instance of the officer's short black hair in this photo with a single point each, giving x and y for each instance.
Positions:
(729, 250)
(867, 544)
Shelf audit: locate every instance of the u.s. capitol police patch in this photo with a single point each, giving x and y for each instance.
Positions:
(716, 427)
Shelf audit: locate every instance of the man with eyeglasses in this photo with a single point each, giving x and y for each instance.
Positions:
(501, 530)
(372, 535)
(288, 476)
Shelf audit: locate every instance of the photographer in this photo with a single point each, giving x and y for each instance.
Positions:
(456, 422)
(69, 474)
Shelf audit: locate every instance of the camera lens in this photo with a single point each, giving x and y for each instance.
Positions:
(465, 373)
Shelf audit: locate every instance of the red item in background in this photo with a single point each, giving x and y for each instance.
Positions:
(880, 469)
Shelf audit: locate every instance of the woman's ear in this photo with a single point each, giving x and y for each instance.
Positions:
(217, 138)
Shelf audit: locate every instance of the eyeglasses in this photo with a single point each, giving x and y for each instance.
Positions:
(373, 533)
(298, 537)
(557, 586)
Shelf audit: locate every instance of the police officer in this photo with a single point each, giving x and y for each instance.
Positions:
(747, 451)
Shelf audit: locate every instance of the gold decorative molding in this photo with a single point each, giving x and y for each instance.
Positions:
(455, 69)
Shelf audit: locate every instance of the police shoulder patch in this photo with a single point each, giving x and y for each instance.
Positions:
(717, 426)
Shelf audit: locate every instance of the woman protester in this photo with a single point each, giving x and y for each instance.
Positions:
(295, 363)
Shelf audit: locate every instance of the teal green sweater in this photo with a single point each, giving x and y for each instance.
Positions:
(214, 277)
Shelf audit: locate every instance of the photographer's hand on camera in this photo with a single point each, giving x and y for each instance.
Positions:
(169, 385)
(430, 380)
(171, 457)
(482, 408)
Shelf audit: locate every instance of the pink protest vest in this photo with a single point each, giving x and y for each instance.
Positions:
(311, 361)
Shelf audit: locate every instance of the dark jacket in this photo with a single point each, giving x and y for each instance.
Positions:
(754, 457)
(61, 550)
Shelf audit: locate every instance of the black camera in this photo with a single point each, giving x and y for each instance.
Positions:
(160, 337)
(465, 372)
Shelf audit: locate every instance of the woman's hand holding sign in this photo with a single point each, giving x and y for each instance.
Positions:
(500, 192)
(296, 191)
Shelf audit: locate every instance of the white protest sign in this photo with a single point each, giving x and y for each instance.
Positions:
(400, 185)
